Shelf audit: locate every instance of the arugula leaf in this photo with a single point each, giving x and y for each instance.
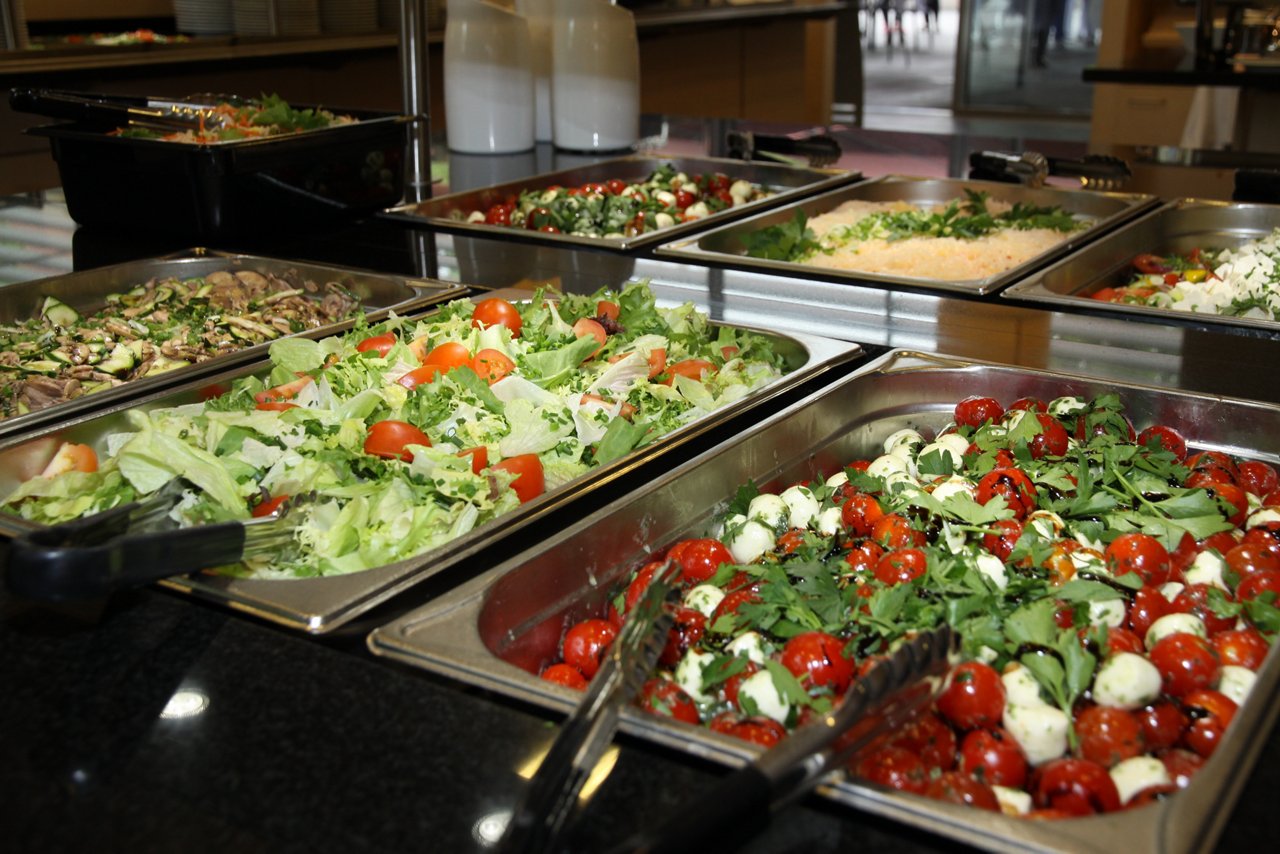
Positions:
(790, 241)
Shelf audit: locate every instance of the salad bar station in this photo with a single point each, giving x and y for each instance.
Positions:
(315, 529)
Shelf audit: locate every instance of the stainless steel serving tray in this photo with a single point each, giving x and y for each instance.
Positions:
(724, 246)
(1176, 227)
(320, 605)
(449, 213)
(497, 630)
(86, 291)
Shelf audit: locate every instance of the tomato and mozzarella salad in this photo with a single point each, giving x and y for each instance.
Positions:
(409, 434)
(1239, 282)
(1114, 594)
(618, 208)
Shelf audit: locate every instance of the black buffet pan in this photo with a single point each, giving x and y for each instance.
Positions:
(785, 183)
(319, 605)
(498, 630)
(1175, 228)
(724, 246)
(86, 291)
(240, 187)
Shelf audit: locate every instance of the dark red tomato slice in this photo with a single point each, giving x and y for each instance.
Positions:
(1163, 724)
(699, 558)
(895, 768)
(974, 696)
(492, 365)
(527, 468)
(389, 439)
(957, 788)
(901, 566)
(586, 643)
(694, 369)
(566, 675)
(1140, 553)
(479, 458)
(496, 311)
(1013, 485)
(1078, 786)
(993, 756)
(976, 411)
(1108, 735)
(1165, 437)
(1186, 663)
(820, 657)
(860, 514)
(269, 506)
(661, 696)
(1241, 648)
(380, 344)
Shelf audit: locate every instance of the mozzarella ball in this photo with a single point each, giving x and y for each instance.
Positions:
(688, 674)
(885, 465)
(667, 197)
(838, 479)
(769, 509)
(1170, 589)
(1136, 773)
(1063, 406)
(829, 522)
(905, 436)
(663, 220)
(801, 506)
(1206, 569)
(1108, 613)
(1020, 687)
(1012, 801)
(1126, 680)
(994, 569)
(764, 693)
(1172, 624)
(954, 485)
(947, 452)
(1041, 731)
(1261, 517)
(704, 598)
(957, 443)
(751, 540)
(749, 645)
(741, 191)
(697, 210)
(1236, 682)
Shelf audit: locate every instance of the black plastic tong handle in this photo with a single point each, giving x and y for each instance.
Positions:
(90, 109)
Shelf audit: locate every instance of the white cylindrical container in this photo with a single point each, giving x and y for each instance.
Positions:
(595, 76)
(540, 14)
(488, 82)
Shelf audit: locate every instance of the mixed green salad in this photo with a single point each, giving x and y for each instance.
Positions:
(391, 440)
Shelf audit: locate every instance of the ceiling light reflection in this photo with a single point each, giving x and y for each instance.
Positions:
(185, 703)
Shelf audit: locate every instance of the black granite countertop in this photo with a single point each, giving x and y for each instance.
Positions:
(292, 742)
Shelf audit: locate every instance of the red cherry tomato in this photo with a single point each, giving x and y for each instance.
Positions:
(699, 559)
(1120, 639)
(380, 344)
(930, 737)
(1013, 485)
(1241, 648)
(492, 365)
(958, 788)
(496, 311)
(1140, 553)
(860, 513)
(1164, 437)
(1001, 543)
(1148, 606)
(901, 566)
(566, 675)
(449, 355)
(1258, 583)
(389, 439)
(1182, 765)
(994, 757)
(1077, 786)
(1051, 440)
(893, 531)
(1194, 599)
(643, 577)
(974, 696)
(421, 375)
(687, 630)
(661, 696)
(586, 643)
(1186, 662)
(608, 308)
(757, 730)
(864, 555)
(1108, 735)
(895, 768)
(269, 506)
(1258, 477)
(821, 657)
(1211, 712)
(615, 186)
(498, 215)
(1163, 724)
(976, 411)
(527, 468)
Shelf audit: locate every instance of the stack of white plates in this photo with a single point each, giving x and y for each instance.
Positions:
(202, 17)
(349, 16)
(297, 17)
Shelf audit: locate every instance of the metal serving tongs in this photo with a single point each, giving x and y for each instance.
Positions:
(132, 545)
(549, 800)
(161, 115)
(878, 704)
(820, 150)
(1094, 171)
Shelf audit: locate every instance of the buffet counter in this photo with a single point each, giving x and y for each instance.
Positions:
(157, 722)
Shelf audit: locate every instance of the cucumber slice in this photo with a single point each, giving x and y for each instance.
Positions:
(120, 361)
(59, 313)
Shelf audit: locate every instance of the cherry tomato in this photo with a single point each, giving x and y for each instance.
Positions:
(616, 186)
(479, 458)
(1051, 440)
(1182, 765)
(1001, 543)
(1108, 735)
(586, 643)
(820, 656)
(733, 685)
(389, 439)
(994, 757)
(540, 217)
(421, 375)
(1164, 437)
(894, 768)
(587, 328)
(976, 411)
(1241, 648)
(684, 198)
(730, 604)
(860, 513)
(269, 506)
(1194, 599)
(1148, 606)
(566, 675)
(608, 308)
(661, 696)
(864, 555)
(496, 311)
(974, 696)
(492, 365)
(1140, 553)
(643, 577)
(1265, 536)
(1186, 662)
(1211, 712)
(694, 369)
(71, 456)
(931, 738)
(527, 468)
(1077, 786)
(901, 566)
(687, 630)
(1150, 264)
(1257, 477)
(1214, 461)
(281, 393)
(758, 730)
(958, 788)
(1120, 639)
(1163, 724)
(699, 558)
(449, 355)
(498, 215)
(1013, 485)
(1258, 583)
(893, 531)
(380, 344)
(1030, 404)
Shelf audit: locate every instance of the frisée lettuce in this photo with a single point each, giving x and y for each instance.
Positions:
(559, 400)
